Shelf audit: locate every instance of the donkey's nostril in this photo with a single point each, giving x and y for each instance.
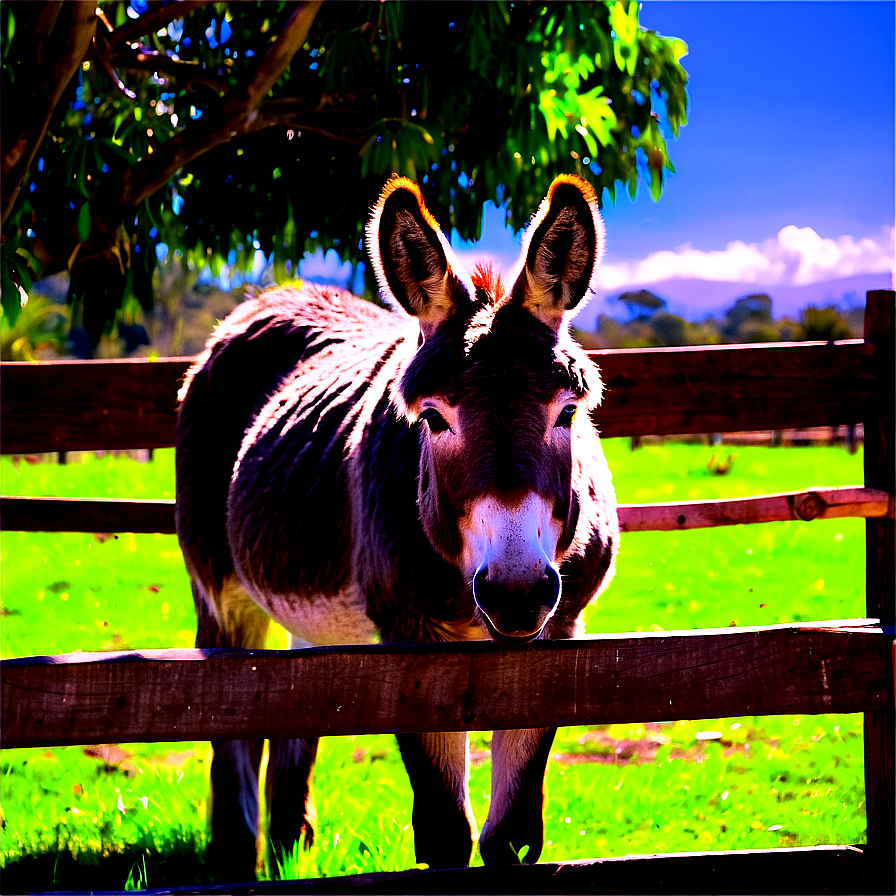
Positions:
(516, 609)
(548, 589)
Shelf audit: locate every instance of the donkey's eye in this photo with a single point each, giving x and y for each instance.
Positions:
(434, 420)
(565, 416)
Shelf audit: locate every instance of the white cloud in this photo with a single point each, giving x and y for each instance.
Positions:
(795, 257)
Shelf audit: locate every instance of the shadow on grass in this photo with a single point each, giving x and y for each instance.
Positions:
(181, 865)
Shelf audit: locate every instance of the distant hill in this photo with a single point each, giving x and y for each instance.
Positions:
(695, 299)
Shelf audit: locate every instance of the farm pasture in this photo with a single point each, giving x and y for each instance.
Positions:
(630, 788)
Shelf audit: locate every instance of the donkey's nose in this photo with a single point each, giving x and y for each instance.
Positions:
(516, 610)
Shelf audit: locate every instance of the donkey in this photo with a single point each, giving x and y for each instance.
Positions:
(429, 474)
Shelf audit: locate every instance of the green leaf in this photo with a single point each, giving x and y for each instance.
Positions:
(624, 21)
(599, 115)
(81, 178)
(23, 271)
(11, 295)
(10, 33)
(84, 222)
(554, 111)
(588, 137)
(147, 209)
(678, 47)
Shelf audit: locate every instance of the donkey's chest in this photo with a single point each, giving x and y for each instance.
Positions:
(322, 619)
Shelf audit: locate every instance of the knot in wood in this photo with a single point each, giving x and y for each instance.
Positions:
(471, 710)
(808, 507)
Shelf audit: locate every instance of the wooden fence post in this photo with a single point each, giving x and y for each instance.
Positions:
(880, 584)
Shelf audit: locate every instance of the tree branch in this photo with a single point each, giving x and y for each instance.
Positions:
(294, 113)
(238, 116)
(110, 72)
(241, 113)
(301, 125)
(154, 171)
(72, 29)
(179, 151)
(276, 59)
(46, 20)
(153, 19)
(146, 60)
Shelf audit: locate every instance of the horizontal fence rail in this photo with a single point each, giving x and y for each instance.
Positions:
(170, 695)
(89, 405)
(28, 514)
(125, 404)
(86, 515)
(807, 505)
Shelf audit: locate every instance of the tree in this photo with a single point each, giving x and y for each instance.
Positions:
(640, 304)
(750, 319)
(824, 324)
(216, 129)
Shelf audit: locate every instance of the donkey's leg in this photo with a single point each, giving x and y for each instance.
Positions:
(519, 760)
(288, 788)
(233, 808)
(288, 792)
(439, 768)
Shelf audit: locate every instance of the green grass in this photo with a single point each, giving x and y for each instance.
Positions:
(73, 820)
(743, 575)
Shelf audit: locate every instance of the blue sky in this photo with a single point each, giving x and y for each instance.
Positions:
(785, 170)
(790, 122)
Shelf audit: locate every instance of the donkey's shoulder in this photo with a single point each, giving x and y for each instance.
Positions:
(290, 321)
(313, 306)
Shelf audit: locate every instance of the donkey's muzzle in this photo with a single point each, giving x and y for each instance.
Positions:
(516, 612)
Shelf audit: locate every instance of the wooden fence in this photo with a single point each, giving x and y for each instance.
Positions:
(820, 667)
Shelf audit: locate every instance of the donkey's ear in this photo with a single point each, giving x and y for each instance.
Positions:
(561, 251)
(412, 260)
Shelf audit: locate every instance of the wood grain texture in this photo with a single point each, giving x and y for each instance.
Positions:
(806, 870)
(162, 695)
(880, 581)
(707, 389)
(87, 405)
(821, 503)
(116, 515)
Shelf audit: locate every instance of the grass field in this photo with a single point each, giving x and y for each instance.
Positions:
(132, 814)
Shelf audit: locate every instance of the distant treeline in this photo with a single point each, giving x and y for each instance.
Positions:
(185, 313)
(646, 323)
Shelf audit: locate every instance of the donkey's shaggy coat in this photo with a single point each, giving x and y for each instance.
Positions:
(431, 474)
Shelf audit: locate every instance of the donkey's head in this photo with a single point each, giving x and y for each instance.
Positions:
(502, 396)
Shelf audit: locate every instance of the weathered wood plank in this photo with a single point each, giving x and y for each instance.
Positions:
(809, 870)
(86, 515)
(880, 581)
(668, 391)
(89, 405)
(163, 695)
(821, 503)
(86, 405)
(115, 515)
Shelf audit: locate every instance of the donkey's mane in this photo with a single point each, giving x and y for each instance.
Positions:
(488, 281)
